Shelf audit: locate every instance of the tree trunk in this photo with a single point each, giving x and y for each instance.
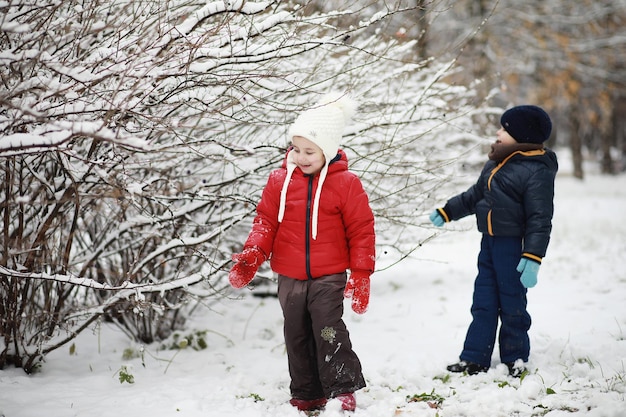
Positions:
(618, 127)
(422, 24)
(576, 147)
(606, 165)
(479, 62)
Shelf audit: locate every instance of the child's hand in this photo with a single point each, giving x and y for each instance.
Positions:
(529, 270)
(247, 263)
(358, 288)
(437, 219)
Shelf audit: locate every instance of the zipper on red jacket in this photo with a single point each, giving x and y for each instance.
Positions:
(307, 242)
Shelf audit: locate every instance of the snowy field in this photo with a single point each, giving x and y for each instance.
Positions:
(415, 326)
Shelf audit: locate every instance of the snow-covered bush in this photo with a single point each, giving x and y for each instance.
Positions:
(135, 139)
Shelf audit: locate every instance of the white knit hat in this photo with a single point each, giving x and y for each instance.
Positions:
(323, 124)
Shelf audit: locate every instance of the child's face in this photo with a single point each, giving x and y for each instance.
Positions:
(309, 157)
(502, 136)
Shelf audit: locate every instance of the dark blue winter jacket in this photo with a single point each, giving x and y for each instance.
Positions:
(514, 197)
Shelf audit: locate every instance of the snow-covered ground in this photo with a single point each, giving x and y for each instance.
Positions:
(415, 326)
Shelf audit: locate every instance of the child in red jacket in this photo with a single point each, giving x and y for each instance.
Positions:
(313, 223)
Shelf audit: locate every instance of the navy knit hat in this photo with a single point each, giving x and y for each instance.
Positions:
(527, 124)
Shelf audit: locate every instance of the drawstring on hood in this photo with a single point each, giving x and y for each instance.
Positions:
(291, 166)
(323, 125)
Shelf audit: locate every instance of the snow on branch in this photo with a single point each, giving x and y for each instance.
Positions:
(184, 242)
(214, 8)
(19, 143)
(141, 221)
(192, 22)
(125, 290)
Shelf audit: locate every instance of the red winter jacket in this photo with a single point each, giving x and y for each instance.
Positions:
(345, 237)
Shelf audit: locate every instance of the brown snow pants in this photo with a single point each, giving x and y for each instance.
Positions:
(322, 363)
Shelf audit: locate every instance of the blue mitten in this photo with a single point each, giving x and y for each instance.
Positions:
(529, 270)
(437, 219)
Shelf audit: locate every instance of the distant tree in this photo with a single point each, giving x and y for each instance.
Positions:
(567, 56)
(135, 138)
(577, 51)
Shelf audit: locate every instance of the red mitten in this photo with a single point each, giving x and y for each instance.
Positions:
(358, 288)
(247, 263)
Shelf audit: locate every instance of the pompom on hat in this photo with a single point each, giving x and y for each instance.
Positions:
(527, 124)
(323, 124)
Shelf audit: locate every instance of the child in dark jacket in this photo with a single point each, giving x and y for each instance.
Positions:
(313, 222)
(513, 204)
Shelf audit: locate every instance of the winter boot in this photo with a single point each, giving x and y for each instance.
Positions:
(348, 402)
(308, 405)
(470, 367)
(516, 369)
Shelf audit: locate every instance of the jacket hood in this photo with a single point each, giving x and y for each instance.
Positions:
(500, 153)
(340, 162)
(551, 159)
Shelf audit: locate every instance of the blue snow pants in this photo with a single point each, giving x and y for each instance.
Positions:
(498, 295)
